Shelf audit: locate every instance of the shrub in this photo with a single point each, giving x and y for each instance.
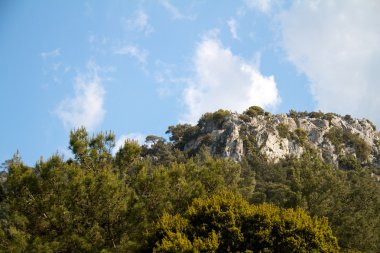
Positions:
(329, 116)
(348, 163)
(301, 136)
(372, 125)
(245, 118)
(215, 117)
(206, 139)
(316, 115)
(348, 118)
(335, 136)
(362, 149)
(254, 111)
(338, 137)
(283, 130)
(295, 115)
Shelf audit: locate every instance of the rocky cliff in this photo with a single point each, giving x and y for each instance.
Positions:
(332, 137)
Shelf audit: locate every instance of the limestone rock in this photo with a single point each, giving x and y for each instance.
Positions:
(300, 132)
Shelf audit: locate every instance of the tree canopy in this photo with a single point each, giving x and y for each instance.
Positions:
(158, 197)
(227, 223)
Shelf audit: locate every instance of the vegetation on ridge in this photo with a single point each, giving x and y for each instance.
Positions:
(339, 137)
(159, 197)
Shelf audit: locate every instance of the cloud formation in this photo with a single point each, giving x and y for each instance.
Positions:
(133, 51)
(174, 11)
(224, 80)
(139, 22)
(261, 5)
(232, 25)
(86, 107)
(336, 44)
(51, 54)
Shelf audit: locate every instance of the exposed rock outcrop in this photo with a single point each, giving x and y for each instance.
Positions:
(286, 135)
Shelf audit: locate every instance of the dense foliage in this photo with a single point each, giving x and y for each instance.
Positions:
(158, 196)
(227, 223)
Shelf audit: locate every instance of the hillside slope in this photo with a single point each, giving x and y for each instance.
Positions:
(334, 138)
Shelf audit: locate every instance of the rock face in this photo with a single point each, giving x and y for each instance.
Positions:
(276, 137)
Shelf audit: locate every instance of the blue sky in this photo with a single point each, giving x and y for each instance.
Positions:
(136, 67)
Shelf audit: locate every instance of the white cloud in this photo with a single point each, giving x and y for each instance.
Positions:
(51, 54)
(133, 51)
(139, 22)
(224, 80)
(336, 44)
(232, 25)
(139, 137)
(174, 12)
(261, 5)
(86, 107)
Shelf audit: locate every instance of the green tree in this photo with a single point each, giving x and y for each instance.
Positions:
(65, 207)
(128, 155)
(254, 111)
(182, 134)
(227, 223)
(92, 152)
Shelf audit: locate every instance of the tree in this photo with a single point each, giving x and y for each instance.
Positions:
(182, 134)
(227, 223)
(127, 155)
(60, 206)
(92, 152)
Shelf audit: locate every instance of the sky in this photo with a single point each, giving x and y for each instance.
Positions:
(137, 67)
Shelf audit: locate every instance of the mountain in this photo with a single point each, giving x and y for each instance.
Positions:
(333, 138)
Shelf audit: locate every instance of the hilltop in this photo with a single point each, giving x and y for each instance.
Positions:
(335, 139)
(257, 182)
